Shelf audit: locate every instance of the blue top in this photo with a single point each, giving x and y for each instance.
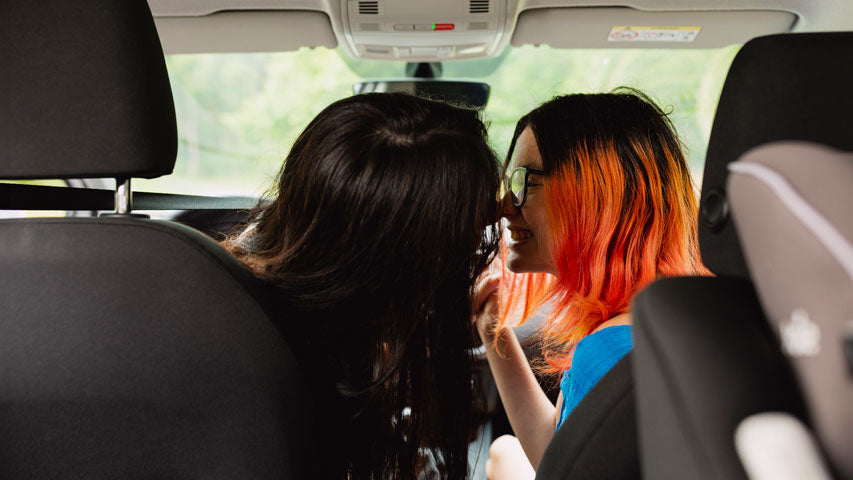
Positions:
(594, 356)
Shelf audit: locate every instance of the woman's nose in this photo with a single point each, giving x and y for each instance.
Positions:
(505, 206)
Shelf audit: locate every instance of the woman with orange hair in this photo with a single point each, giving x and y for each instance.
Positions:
(600, 204)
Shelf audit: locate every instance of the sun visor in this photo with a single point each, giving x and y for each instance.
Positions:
(256, 31)
(623, 27)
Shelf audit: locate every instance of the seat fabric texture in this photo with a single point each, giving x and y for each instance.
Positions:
(791, 204)
(599, 438)
(86, 93)
(136, 349)
(779, 87)
(129, 348)
(703, 372)
(705, 357)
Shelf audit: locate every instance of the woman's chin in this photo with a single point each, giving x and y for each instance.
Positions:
(517, 263)
(525, 262)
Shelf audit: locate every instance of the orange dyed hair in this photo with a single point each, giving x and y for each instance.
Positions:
(621, 212)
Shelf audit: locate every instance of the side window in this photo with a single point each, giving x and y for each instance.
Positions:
(34, 213)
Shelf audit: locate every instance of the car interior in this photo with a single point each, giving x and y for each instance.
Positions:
(134, 346)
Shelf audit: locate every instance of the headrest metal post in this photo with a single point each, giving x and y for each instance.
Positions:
(124, 196)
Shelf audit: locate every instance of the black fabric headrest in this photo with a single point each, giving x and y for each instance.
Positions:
(85, 91)
(780, 87)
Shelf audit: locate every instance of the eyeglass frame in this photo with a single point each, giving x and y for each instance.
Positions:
(527, 173)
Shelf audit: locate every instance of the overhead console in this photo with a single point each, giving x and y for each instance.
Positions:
(417, 30)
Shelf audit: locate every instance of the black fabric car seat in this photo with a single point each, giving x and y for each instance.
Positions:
(702, 353)
(705, 357)
(129, 348)
(599, 438)
(791, 204)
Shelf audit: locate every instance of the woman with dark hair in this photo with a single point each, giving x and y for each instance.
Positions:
(600, 204)
(370, 248)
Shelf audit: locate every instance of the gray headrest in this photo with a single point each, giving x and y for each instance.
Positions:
(791, 203)
(779, 87)
(85, 91)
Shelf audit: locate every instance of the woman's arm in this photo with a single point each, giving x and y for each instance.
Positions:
(529, 410)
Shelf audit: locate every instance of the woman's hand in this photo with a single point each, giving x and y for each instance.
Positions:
(484, 305)
(529, 410)
(507, 461)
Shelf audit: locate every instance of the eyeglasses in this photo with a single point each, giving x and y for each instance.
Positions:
(518, 183)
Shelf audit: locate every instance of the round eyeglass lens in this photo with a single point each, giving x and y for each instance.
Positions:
(516, 185)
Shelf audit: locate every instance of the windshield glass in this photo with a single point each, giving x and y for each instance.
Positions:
(238, 114)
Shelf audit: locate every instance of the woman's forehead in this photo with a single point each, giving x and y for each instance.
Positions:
(526, 152)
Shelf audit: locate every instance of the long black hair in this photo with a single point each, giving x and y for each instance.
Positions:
(378, 230)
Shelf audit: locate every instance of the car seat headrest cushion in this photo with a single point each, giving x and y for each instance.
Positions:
(86, 92)
(779, 87)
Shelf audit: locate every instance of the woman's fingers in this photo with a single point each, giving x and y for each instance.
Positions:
(485, 287)
(485, 306)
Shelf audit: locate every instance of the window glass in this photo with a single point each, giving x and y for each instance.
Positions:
(686, 83)
(238, 114)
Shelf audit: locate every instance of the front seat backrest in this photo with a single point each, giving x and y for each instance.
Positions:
(135, 349)
(702, 345)
(702, 352)
(791, 203)
(599, 438)
(129, 348)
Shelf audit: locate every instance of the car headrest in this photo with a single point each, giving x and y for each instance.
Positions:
(779, 87)
(791, 205)
(86, 92)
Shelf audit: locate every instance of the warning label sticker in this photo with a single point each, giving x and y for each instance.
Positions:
(653, 34)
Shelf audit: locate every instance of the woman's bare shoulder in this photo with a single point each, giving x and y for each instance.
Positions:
(621, 319)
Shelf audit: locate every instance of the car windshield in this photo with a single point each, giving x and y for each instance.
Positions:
(238, 114)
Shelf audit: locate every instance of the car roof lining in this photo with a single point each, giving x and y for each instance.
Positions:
(293, 26)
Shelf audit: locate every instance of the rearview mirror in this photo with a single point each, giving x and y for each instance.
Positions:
(457, 92)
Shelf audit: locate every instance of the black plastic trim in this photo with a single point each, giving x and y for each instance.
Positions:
(39, 197)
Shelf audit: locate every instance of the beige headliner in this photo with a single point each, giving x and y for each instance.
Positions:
(270, 25)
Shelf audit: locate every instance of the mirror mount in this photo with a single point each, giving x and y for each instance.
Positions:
(423, 69)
